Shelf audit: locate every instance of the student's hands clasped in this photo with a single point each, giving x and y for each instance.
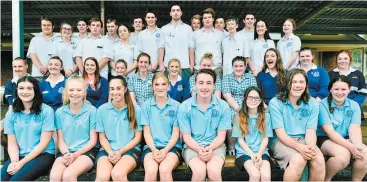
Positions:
(69, 158)
(159, 155)
(205, 153)
(308, 152)
(358, 151)
(257, 160)
(114, 157)
(14, 167)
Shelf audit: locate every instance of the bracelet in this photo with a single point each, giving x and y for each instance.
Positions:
(65, 153)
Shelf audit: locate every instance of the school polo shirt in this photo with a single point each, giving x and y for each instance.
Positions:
(66, 52)
(249, 35)
(318, 81)
(233, 47)
(257, 52)
(148, 42)
(52, 92)
(127, 52)
(287, 47)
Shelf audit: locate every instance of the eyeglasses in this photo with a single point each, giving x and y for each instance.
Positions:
(68, 29)
(257, 99)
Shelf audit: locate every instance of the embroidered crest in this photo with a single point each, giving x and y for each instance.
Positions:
(316, 74)
(171, 113)
(179, 88)
(305, 112)
(335, 122)
(45, 92)
(215, 113)
(74, 47)
(289, 44)
(265, 46)
(158, 35)
(349, 113)
(61, 89)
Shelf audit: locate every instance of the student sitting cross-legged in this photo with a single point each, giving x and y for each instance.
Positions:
(204, 120)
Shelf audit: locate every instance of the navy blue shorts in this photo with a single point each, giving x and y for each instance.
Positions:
(91, 154)
(242, 159)
(322, 139)
(174, 150)
(134, 153)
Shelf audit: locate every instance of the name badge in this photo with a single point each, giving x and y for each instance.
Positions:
(100, 47)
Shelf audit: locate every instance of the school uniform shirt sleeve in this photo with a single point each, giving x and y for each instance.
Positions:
(356, 118)
(32, 49)
(79, 50)
(190, 39)
(314, 113)
(99, 118)
(268, 127)
(324, 114)
(246, 51)
(136, 53)
(104, 92)
(9, 123)
(324, 83)
(275, 109)
(184, 119)
(138, 115)
(8, 93)
(236, 131)
(258, 80)
(296, 44)
(362, 91)
(130, 84)
(226, 119)
(145, 114)
(271, 44)
(58, 119)
(92, 118)
(48, 116)
(162, 43)
(226, 86)
(186, 90)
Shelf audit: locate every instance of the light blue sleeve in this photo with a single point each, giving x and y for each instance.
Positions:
(324, 114)
(9, 123)
(100, 126)
(268, 127)
(226, 118)
(144, 114)
(138, 118)
(296, 44)
(48, 122)
(314, 115)
(92, 118)
(175, 123)
(190, 38)
(58, 118)
(135, 53)
(183, 119)
(218, 84)
(276, 115)
(79, 50)
(271, 43)
(246, 52)
(32, 49)
(107, 49)
(356, 118)
(236, 131)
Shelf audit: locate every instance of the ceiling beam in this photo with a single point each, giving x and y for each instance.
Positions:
(331, 26)
(350, 6)
(314, 13)
(57, 6)
(54, 17)
(344, 17)
(330, 32)
(334, 41)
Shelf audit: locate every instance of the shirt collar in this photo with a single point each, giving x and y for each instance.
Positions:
(153, 103)
(289, 38)
(110, 106)
(52, 37)
(90, 36)
(84, 109)
(179, 23)
(287, 102)
(16, 78)
(61, 79)
(349, 71)
(179, 78)
(203, 29)
(346, 104)
(213, 102)
(313, 67)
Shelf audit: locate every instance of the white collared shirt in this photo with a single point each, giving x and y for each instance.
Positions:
(148, 42)
(233, 47)
(53, 84)
(133, 38)
(43, 49)
(208, 42)
(176, 40)
(112, 41)
(127, 52)
(249, 35)
(257, 52)
(286, 47)
(66, 52)
(349, 71)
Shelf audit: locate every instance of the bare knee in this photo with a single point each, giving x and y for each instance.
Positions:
(119, 175)
(164, 170)
(199, 173)
(54, 176)
(103, 176)
(255, 175)
(69, 175)
(214, 172)
(297, 161)
(266, 176)
(151, 172)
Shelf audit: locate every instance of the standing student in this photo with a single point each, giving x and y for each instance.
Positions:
(149, 39)
(271, 79)
(339, 132)
(82, 27)
(289, 45)
(259, 46)
(358, 85)
(162, 151)
(120, 132)
(97, 86)
(233, 86)
(294, 116)
(206, 62)
(204, 120)
(317, 75)
(29, 127)
(66, 46)
(179, 87)
(138, 26)
(140, 84)
(76, 131)
(248, 31)
(220, 25)
(233, 45)
(252, 130)
(208, 39)
(53, 87)
(196, 22)
(20, 67)
(123, 49)
(177, 42)
(94, 46)
(42, 48)
(111, 35)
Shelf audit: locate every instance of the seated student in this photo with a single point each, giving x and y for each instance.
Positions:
(339, 132)
(162, 151)
(140, 84)
(120, 132)
(97, 92)
(252, 129)
(76, 131)
(206, 62)
(29, 127)
(120, 68)
(53, 86)
(20, 67)
(204, 120)
(179, 87)
(294, 118)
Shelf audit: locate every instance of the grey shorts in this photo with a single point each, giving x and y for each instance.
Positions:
(189, 154)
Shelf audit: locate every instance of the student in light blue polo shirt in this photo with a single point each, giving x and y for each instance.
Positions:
(76, 132)
(123, 49)
(294, 117)
(120, 132)
(259, 46)
(111, 34)
(204, 120)
(248, 31)
(162, 151)
(29, 127)
(140, 84)
(65, 47)
(233, 86)
(53, 87)
(339, 132)
(220, 25)
(206, 62)
(289, 45)
(97, 91)
(317, 76)
(252, 128)
(179, 87)
(138, 26)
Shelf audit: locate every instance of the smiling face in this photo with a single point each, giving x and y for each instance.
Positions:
(90, 66)
(249, 21)
(253, 100)
(117, 90)
(124, 33)
(54, 66)
(138, 24)
(19, 68)
(47, 27)
(206, 63)
(339, 91)
(195, 24)
(271, 59)
(25, 92)
(305, 57)
(66, 31)
(120, 69)
(288, 27)
(150, 19)
(160, 87)
(143, 64)
(174, 68)
(232, 26)
(82, 27)
(204, 85)
(219, 24)
(298, 85)
(75, 91)
(239, 68)
(208, 20)
(261, 28)
(343, 61)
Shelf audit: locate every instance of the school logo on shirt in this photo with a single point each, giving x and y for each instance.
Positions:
(265, 46)
(252, 128)
(335, 122)
(215, 113)
(73, 47)
(305, 112)
(179, 88)
(289, 44)
(349, 113)
(171, 113)
(158, 35)
(45, 92)
(315, 74)
(61, 89)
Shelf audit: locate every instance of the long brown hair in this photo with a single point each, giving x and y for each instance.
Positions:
(129, 102)
(243, 115)
(96, 73)
(284, 93)
(278, 65)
